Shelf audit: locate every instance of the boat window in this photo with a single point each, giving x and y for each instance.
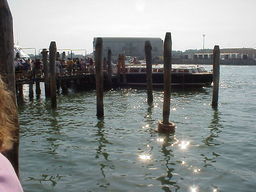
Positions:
(154, 70)
(160, 70)
(143, 70)
(201, 69)
(134, 69)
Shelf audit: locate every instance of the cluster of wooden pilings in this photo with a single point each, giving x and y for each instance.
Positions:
(164, 126)
(8, 74)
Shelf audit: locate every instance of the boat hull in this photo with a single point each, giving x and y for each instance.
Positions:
(177, 79)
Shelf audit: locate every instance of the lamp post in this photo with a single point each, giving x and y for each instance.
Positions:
(203, 41)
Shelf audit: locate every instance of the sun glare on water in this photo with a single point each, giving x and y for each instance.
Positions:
(145, 157)
(184, 145)
(194, 189)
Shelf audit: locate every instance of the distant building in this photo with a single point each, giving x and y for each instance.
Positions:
(130, 46)
(225, 54)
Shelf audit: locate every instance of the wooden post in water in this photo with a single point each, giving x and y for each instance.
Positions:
(148, 55)
(109, 69)
(38, 89)
(31, 91)
(216, 76)
(20, 93)
(52, 58)
(99, 77)
(123, 69)
(46, 73)
(7, 71)
(165, 126)
(119, 70)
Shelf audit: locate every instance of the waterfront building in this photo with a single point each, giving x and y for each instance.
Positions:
(225, 54)
(131, 46)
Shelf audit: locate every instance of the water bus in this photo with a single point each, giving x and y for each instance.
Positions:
(181, 75)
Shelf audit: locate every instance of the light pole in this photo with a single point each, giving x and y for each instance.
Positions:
(203, 41)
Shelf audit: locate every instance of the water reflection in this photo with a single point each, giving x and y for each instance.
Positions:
(101, 150)
(184, 145)
(145, 157)
(211, 140)
(194, 188)
(166, 180)
(215, 129)
(54, 132)
(52, 179)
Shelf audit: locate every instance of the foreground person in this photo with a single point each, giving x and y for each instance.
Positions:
(9, 181)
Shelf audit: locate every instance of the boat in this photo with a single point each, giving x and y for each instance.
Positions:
(181, 76)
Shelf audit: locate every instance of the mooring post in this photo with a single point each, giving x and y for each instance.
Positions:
(52, 58)
(20, 93)
(123, 68)
(7, 71)
(166, 126)
(216, 76)
(31, 91)
(119, 70)
(38, 89)
(109, 69)
(148, 55)
(99, 77)
(46, 73)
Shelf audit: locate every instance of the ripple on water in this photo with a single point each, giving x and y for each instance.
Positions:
(211, 150)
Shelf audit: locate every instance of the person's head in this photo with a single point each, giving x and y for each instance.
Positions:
(7, 118)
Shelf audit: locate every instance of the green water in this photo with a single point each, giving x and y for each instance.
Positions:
(69, 149)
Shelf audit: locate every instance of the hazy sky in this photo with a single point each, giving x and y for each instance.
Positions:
(74, 23)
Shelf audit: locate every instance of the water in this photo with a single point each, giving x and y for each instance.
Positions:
(212, 150)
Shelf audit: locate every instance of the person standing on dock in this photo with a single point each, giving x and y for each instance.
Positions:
(9, 181)
(70, 66)
(58, 67)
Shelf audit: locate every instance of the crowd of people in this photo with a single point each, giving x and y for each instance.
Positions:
(63, 67)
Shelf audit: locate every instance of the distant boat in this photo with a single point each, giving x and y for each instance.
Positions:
(181, 75)
(20, 51)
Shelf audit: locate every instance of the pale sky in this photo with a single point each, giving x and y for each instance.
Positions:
(74, 23)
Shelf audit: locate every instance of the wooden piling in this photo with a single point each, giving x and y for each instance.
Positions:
(52, 67)
(46, 73)
(148, 56)
(119, 70)
(166, 126)
(99, 77)
(109, 69)
(20, 93)
(38, 89)
(31, 92)
(216, 76)
(7, 71)
(63, 55)
(123, 69)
